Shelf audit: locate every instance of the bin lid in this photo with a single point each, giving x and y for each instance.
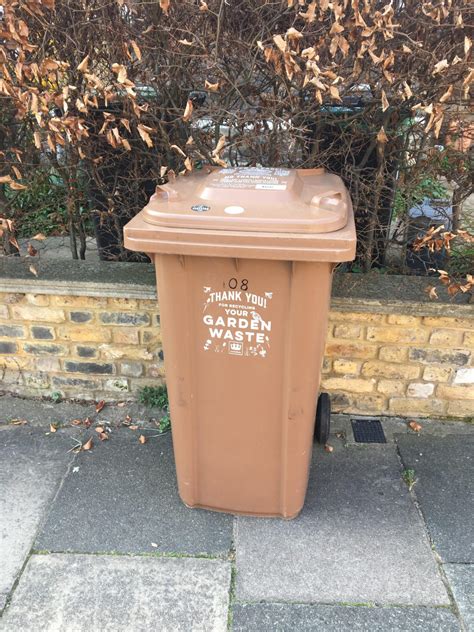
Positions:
(252, 199)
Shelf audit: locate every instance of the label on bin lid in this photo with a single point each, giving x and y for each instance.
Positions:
(275, 200)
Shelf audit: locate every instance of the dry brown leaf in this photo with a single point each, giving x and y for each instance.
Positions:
(33, 270)
(328, 448)
(212, 87)
(415, 426)
(99, 429)
(121, 404)
(87, 422)
(133, 427)
(136, 50)
(165, 6)
(144, 130)
(188, 163)
(142, 439)
(76, 422)
(178, 150)
(53, 428)
(188, 111)
(293, 35)
(82, 67)
(87, 445)
(127, 421)
(186, 42)
(18, 422)
(382, 136)
(431, 291)
(39, 237)
(441, 65)
(446, 95)
(103, 436)
(99, 406)
(5, 179)
(120, 71)
(31, 250)
(16, 186)
(334, 92)
(385, 103)
(203, 6)
(280, 42)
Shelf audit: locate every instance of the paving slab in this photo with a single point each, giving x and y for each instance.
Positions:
(309, 618)
(121, 496)
(444, 469)
(75, 593)
(358, 539)
(31, 467)
(461, 580)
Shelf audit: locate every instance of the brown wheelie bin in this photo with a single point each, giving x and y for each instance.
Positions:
(244, 260)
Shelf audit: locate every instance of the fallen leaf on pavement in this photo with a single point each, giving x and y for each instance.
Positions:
(99, 406)
(18, 422)
(31, 250)
(133, 427)
(53, 428)
(127, 421)
(103, 436)
(39, 237)
(328, 448)
(87, 445)
(99, 429)
(121, 404)
(415, 426)
(142, 439)
(87, 422)
(76, 422)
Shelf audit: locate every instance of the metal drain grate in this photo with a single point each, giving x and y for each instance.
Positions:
(368, 431)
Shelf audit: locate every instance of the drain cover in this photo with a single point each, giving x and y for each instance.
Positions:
(368, 431)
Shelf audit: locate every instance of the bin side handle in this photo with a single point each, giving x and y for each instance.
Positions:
(330, 195)
(165, 192)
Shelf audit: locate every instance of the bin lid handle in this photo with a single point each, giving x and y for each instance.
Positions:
(334, 199)
(165, 192)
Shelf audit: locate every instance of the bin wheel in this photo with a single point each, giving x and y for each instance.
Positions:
(323, 418)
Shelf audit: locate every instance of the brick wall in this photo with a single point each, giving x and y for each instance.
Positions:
(383, 356)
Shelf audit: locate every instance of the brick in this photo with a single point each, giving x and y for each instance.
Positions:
(461, 408)
(464, 376)
(458, 357)
(80, 317)
(347, 367)
(131, 369)
(401, 319)
(456, 323)
(42, 333)
(147, 304)
(37, 299)
(36, 380)
(66, 382)
(48, 364)
(374, 404)
(123, 303)
(119, 384)
(85, 334)
(393, 354)
(16, 363)
(31, 312)
(123, 318)
(44, 349)
(350, 350)
(151, 336)
(348, 384)
(3, 311)
(155, 370)
(11, 299)
(125, 336)
(437, 374)
(347, 331)
(420, 389)
(396, 334)
(446, 337)
(405, 406)
(88, 367)
(375, 368)
(356, 317)
(110, 352)
(326, 367)
(8, 347)
(79, 301)
(86, 352)
(340, 402)
(469, 339)
(11, 331)
(391, 387)
(455, 392)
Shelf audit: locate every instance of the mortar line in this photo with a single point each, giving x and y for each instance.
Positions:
(438, 561)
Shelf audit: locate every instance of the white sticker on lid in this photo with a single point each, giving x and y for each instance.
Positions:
(234, 210)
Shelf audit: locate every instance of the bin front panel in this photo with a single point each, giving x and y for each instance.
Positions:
(243, 344)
